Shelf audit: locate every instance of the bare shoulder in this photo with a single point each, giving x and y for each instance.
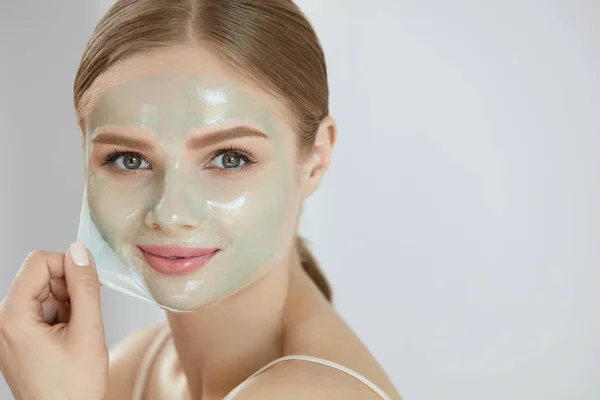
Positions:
(125, 358)
(298, 380)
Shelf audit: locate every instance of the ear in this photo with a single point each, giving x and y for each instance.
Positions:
(319, 162)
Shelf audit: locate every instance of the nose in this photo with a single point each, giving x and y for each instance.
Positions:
(174, 212)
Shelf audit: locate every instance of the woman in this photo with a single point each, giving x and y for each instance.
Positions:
(274, 335)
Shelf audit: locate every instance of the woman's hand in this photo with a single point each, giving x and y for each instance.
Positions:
(52, 342)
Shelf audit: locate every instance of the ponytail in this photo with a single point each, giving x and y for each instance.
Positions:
(312, 269)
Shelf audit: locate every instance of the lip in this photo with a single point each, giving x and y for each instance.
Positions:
(189, 259)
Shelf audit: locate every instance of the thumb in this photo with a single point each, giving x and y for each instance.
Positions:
(84, 293)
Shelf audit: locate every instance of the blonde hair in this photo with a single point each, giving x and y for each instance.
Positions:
(270, 41)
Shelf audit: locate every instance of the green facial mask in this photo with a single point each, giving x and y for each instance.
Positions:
(185, 197)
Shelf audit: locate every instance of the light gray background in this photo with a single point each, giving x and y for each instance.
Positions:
(459, 224)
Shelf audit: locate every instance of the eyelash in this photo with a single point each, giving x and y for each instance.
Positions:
(115, 155)
(243, 153)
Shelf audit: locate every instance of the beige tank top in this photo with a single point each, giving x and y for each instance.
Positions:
(163, 336)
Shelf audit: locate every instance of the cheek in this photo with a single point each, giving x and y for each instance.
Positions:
(267, 217)
(117, 211)
(251, 207)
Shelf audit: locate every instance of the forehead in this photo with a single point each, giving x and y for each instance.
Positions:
(180, 102)
(213, 76)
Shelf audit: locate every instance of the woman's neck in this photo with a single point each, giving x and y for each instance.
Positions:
(220, 346)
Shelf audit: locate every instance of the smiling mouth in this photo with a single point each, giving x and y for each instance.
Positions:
(176, 260)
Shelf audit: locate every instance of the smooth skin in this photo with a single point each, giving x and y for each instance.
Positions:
(60, 353)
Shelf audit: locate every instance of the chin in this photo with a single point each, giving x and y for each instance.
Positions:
(204, 288)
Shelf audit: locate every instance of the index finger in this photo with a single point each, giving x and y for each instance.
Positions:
(33, 278)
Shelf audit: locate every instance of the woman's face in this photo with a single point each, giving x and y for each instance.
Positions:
(192, 176)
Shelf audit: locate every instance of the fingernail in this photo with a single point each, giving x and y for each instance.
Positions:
(79, 254)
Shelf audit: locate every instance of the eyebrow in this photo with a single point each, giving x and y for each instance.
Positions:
(194, 143)
(211, 139)
(120, 140)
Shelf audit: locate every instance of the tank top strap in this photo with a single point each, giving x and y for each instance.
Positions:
(314, 360)
(147, 363)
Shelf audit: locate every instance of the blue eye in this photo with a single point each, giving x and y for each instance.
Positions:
(229, 160)
(232, 159)
(127, 161)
